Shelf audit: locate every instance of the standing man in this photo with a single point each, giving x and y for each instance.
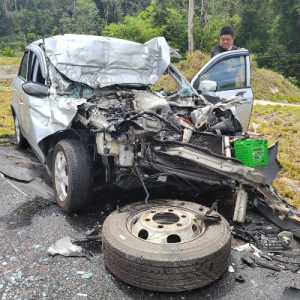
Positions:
(226, 41)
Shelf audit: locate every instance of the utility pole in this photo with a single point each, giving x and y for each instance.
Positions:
(191, 25)
(202, 22)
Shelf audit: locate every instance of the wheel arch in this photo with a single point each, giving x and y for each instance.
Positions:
(47, 145)
(12, 110)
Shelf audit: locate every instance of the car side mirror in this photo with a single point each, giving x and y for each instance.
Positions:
(35, 89)
(208, 89)
(208, 85)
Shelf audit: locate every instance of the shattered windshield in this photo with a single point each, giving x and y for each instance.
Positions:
(184, 87)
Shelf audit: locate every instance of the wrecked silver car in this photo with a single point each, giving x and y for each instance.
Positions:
(85, 106)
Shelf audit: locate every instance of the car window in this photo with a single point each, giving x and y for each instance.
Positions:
(37, 73)
(32, 59)
(23, 67)
(228, 73)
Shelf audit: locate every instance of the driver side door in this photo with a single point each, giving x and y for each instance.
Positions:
(231, 71)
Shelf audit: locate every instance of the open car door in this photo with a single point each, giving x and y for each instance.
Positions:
(231, 71)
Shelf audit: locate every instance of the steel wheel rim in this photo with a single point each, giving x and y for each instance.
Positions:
(166, 225)
(61, 176)
(17, 130)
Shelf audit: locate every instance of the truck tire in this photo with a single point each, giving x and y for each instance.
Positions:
(172, 258)
(72, 174)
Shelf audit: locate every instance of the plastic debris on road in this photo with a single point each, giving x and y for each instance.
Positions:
(65, 247)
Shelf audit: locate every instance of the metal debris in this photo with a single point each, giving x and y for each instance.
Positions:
(94, 234)
(248, 261)
(268, 266)
(244, 234)
(266, 239)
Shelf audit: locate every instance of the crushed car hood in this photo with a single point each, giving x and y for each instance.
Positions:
(99, 61)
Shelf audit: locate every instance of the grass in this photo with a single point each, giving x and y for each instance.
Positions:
(282, 123)
(8, 67)
(9, 61)
(269, 85)
(6, 119)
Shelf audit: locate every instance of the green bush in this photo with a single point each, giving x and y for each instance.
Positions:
(138, 29)
(8, 52)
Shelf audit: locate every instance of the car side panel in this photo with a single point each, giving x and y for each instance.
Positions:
(17, 104)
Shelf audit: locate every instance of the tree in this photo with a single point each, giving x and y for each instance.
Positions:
(13, 11)
(115, 10)
(138, 29)
(83, 18)
(256, 20)
(282, 53)
(191, 25)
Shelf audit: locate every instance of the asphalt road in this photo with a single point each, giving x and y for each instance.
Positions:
(29, 225)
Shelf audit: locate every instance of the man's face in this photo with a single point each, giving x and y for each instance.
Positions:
(226, 41)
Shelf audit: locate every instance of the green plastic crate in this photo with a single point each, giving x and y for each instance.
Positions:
(252, 152)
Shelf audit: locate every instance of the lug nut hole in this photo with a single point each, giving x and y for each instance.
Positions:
(173, 238)
(143, 234)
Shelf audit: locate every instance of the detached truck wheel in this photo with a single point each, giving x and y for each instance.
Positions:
(166, 246)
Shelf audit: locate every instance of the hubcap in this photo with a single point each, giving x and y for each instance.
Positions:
(17, 130)
(61, 176)
(166, 225)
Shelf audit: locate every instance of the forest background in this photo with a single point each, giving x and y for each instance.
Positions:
(270, 29)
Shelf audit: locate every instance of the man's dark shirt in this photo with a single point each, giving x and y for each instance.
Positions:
(218, 49)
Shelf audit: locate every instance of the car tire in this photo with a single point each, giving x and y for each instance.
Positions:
(21, 140)
(165, 267)
(72, 174)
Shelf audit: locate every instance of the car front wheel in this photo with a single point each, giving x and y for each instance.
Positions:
(72, 175)
(21, 140)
